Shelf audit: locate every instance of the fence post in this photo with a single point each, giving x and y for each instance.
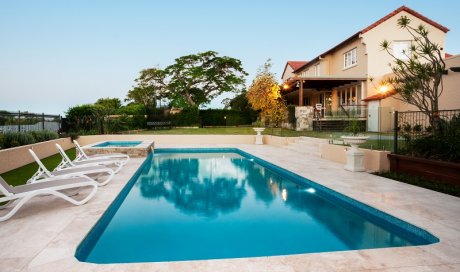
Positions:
(19, 121)
(43, 121)
(395, 136)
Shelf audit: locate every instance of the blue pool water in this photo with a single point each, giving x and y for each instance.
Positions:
(224, 203)
(118, 144)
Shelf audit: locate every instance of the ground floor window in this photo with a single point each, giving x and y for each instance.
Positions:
(350, 96)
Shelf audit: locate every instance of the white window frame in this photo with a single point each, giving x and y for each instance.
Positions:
(402, 49)
(350, 58)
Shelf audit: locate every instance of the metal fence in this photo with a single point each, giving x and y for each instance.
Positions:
(26, 121)
(412, 125)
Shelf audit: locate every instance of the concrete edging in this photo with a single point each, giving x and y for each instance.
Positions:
(16, 157)
(13, 158)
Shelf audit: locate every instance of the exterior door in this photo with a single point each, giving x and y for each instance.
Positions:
(373, 116)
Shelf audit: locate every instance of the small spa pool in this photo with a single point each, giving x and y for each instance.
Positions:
(198, 204)
(118, 144)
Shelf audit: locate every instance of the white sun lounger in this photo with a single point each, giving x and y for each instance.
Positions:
(66, 162)
(94, 172)
(17, 196)
(81, 155)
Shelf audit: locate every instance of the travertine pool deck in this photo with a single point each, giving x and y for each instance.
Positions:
(43, 235)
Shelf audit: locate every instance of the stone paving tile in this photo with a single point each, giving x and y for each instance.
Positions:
(44, 235)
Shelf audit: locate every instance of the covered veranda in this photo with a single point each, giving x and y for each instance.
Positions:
(328, 95)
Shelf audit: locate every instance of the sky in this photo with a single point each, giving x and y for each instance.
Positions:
(57, 54)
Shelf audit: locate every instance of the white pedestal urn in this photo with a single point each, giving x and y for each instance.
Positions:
(259, 136)
(354, 155)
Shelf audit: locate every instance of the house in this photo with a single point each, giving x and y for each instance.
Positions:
(290, 67)
(337, 82)
(450, 98)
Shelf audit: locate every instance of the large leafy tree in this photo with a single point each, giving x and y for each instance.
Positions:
(110, 105)
(196, 79)
(264, 96)
(418, 79)
(152, 86)
(144, 95)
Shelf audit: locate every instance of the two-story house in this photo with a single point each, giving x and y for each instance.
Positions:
(338, 80)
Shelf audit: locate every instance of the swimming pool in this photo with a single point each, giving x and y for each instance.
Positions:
(118, 144)
(195, 204)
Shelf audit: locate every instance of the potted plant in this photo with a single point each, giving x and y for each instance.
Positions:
(354, 139)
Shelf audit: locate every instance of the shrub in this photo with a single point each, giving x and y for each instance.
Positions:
(13, 139)
(187, 117)
(116, 125)
(137, 122)
(82, 117)
(355, 126)
(442, 146)
(221, 117)
(46, 135)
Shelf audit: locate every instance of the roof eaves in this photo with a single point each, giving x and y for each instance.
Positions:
(410, 11)
(346, 41)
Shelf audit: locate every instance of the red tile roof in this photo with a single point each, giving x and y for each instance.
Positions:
(379, 96)
(296, 64)
(383, 19)
(447, 55)
(410, 11)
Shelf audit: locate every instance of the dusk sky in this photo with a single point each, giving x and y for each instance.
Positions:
(57, 54)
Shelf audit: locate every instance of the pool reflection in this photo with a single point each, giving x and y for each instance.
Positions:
(205, 187)
(217, 185)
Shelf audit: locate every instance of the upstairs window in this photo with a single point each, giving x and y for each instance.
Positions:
(402, 50)
(349, 58)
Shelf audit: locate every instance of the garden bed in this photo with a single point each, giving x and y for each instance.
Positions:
(430, 169)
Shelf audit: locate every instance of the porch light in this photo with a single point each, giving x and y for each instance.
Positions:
(297, 84)
(285, 86)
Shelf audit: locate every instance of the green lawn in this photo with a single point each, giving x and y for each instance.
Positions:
(201, 131)
(384, 144)
(240, 131)
(20, 175)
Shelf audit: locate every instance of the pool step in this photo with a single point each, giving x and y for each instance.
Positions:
(307, 145)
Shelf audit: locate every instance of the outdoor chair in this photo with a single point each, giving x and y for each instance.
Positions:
(17, 196)
(94, 172)
(81, 155)
(66, 162)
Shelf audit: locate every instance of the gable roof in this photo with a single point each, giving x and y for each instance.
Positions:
(295, 64)
(410, 11)
(377, 23)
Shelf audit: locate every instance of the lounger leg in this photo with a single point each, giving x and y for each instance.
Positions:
(21, 202)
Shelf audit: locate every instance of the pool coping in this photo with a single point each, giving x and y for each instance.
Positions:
(62, 229)
(140, 150)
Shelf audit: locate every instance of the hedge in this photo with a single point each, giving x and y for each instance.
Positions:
(221, 117)
(13, 139)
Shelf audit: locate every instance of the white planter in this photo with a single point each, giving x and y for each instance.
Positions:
(354, 155)
(259, 136)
